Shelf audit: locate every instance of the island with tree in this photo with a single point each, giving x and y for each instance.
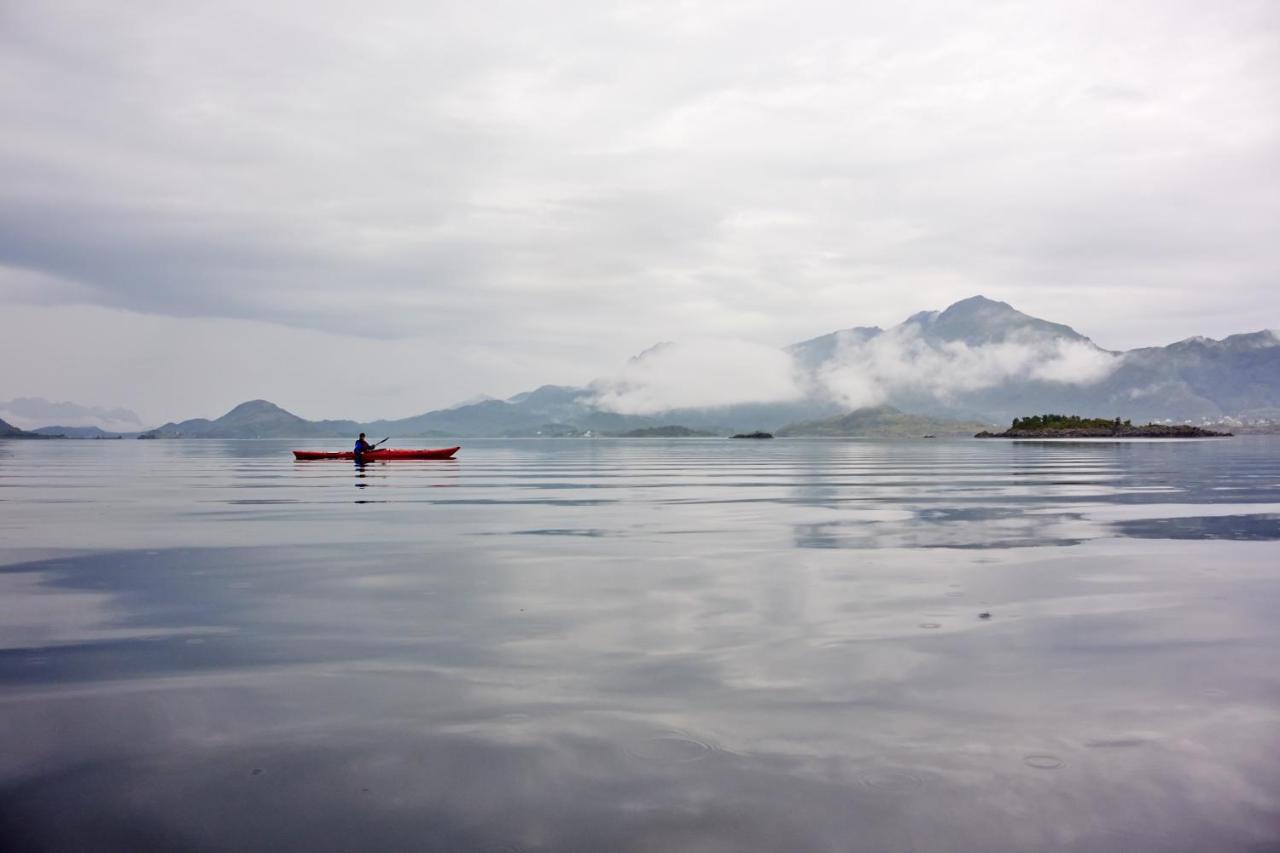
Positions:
(1074, 426)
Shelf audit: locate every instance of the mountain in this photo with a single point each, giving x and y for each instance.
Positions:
(1201, 378)
(882, 422)
(8, 430)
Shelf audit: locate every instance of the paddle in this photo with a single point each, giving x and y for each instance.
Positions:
(372, 446)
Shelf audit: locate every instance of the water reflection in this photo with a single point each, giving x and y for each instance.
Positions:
(640, 646)
(1242, 528)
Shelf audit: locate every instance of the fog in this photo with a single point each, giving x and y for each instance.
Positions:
(863, 372)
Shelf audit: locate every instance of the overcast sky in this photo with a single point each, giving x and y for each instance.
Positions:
(370, 210)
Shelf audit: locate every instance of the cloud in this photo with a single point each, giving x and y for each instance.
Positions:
(867, 372)
(700, 374)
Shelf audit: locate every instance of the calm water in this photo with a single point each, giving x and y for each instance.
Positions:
(642, 646)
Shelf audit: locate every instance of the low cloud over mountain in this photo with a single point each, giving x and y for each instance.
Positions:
(934, 360)
(978, 360)
(974, 345)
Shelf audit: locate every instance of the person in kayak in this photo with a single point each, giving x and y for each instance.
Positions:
(362, 447)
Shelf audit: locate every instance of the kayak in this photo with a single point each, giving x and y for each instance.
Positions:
(376, 455)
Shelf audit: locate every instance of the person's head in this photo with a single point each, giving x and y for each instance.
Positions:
(362, 436)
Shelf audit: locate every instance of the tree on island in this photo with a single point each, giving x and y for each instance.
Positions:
(1051, 421)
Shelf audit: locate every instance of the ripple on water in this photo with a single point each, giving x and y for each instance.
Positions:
(930, 625)
(890, 780)
(669, 748)
(1043, 761)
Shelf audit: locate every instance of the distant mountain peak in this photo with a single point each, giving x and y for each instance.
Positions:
(256, 407)
(979, 320)
(980, 301)
(1262, 339)
(8, 430)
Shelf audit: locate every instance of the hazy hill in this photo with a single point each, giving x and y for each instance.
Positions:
(257, 419)
(8, 430)
(81, 432)
(882, 422)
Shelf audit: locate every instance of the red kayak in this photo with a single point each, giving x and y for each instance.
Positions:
(376, 455)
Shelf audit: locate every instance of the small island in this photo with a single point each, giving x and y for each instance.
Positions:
(753, 435)
(1074, 426)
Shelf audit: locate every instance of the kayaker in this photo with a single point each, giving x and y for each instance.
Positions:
(362, 447)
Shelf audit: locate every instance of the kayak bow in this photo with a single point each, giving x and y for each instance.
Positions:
(376, 455)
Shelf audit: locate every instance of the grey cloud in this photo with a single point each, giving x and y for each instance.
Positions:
(604, 176)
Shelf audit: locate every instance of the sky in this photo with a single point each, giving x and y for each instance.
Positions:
(373, 210)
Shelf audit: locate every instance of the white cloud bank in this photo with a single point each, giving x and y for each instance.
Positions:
(868, 372)
(713, 373)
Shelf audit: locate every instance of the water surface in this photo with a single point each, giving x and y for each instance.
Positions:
(641, 645)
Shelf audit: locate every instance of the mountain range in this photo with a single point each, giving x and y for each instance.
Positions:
(978, 361)
(34, 413)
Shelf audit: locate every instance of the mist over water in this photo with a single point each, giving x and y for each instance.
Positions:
(797, 645)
